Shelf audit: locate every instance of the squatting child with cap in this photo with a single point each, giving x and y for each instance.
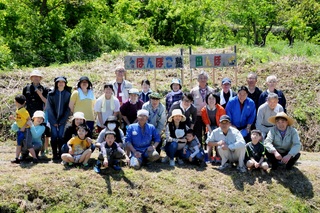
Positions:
(110, 153)
(24, 137)
(79, 147)
(255, 152)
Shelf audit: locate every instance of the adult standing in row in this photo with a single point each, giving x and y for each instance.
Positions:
(226, 93)
(175, 94)
(106, 105)
(242, 112)
(272, 84)
(254, 92)
(83, 100)
(121, 86)
(58, 113)
(199, 93)
(36, 97)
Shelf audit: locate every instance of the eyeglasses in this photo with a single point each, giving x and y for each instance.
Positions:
(186, 100)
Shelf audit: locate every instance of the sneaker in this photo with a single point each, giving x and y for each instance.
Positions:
(70, 164)
(172, 163)
(212, 159)
(165, 159)
(242, 169)
(35, 160)
(224, 166)
(96, 169)
(16, 160)
(85, 164)
(180, 161)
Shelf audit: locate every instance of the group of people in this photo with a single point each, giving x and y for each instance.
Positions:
(246, 126)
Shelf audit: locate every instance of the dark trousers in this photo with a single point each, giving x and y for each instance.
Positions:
(275, 162)
(199, 128)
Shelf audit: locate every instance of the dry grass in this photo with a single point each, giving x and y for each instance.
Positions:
(158, 188)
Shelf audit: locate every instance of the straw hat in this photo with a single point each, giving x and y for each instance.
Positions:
(272, 119)
(177, 112)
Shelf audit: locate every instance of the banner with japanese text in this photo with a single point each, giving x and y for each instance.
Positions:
(153, 62)
(213, 60)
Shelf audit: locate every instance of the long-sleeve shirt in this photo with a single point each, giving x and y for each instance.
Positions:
(107, 150)
(199, 98)
(290, 143)
(193, 146)
(140, 138)
(190, 113)
(264, 113)
(205, 117)
(241, 118)
(282, 99)
(233, 139)
(58, 107)
(157, 117)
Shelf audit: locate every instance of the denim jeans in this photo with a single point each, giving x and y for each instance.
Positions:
(199, 155)
(172, 151)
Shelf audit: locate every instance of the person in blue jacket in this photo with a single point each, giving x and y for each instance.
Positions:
(242, 112)
(58, 113)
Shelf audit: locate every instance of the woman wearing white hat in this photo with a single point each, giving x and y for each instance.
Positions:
(175, 137)
(282, 142)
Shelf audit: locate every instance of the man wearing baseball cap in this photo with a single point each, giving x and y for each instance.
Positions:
(231, 145)
(226, 93)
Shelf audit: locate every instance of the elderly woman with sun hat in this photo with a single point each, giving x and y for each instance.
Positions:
(282, 142)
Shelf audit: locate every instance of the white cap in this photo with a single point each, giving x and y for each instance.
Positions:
(143, 112)
(35, 73)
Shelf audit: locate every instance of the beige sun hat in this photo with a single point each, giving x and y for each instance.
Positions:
(272, 119)
(177, 112)
(38, 114)
(36, 73)
(79, 115)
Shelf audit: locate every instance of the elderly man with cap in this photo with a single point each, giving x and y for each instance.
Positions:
(157, 113)
(105, 106)
(242, 112)
(265, 111)
(199, 94)
(142, 139)
(130, 108)
(175, 94)
(121, 86)
(58, 113)
(231, 145)
(283, 142)
(226, 93)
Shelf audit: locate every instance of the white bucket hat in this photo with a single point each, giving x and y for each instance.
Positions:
(177, 112)
(79, 115)
(38, 114)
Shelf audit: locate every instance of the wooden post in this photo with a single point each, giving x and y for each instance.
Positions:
(213, 76)
(181, 70)
(155, 79)
(190, 53)
(236, 68)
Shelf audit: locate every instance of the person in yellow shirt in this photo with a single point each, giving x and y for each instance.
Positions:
(79, 147)
(22, 127)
